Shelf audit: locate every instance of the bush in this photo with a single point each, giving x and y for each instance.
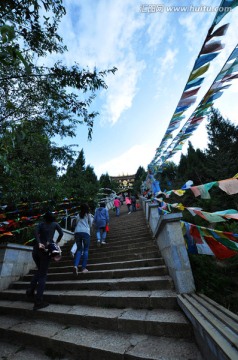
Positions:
(217, 279)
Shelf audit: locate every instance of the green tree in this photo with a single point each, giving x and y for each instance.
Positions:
(58, 97)
(30, 173)
(168, 177)
(140, 176)
(104, 181)
(107, 187)
(35, 22)
(222, 147)
(54, 99)
(91, 186)
(72, 181)
(192, 166)
(222, 159)
(217, 162)
(80, 181)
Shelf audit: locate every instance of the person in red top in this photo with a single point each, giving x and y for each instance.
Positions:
(128, 203)
(117, 205)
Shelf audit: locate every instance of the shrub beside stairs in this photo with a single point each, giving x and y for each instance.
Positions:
(124, 308)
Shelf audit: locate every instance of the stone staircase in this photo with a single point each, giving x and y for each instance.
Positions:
(124, 308)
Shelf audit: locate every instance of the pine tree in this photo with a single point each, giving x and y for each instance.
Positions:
(29, 172)
(192, 166)
(222, 147)
(140, 176)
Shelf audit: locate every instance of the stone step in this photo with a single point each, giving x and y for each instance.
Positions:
(123, 257)
(103, 251)
(63, 266)
(102, 257)
(157, 322)
(117, 234)
(124, 308)
(75, 341)
(124, 234)
(150, 299)
(15, 351)
(121, 233)
(122, 227)
(105, 274)
(114, 244)
(126, 221)
(110, 249)
(132, 283)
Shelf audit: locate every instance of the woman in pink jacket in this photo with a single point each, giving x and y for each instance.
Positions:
(128, 203)
(117, 205)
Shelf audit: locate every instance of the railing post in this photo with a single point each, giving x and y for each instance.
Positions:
(153, 217)
(168, 235)
(170, 241)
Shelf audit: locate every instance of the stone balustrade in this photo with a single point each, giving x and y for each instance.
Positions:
(168, 235)
(215, 327)
(16, 260)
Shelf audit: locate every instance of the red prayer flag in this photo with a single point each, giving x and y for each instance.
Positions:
(219, 250)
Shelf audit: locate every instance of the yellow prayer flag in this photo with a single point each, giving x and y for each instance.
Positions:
(179, 192)
(198, 72)
(180, 207)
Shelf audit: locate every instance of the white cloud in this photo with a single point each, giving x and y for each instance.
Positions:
(105, 39)
(158, 26)
(122, 89)
(191, 26)
(168, 61)
(128, 162)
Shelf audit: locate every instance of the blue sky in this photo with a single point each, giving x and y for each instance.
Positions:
(154, 54)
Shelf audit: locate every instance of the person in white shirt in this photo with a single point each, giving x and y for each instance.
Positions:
(84, 222)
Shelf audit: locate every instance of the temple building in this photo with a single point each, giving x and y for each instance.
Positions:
(125, 182)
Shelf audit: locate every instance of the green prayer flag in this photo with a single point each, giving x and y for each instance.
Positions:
(198, 72)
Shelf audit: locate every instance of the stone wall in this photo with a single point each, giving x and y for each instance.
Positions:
(15, 261)
(168, 235)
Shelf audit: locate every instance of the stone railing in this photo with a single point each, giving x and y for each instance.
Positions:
(215, 327)
(167, 233)
(16, 260)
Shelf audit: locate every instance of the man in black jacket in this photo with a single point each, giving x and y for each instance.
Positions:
(44, 236)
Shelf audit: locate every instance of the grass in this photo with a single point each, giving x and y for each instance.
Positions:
(217, 279)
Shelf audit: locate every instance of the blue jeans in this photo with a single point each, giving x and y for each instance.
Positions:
(101, 234)
(118, 211)
(83, 241)
(133, 207)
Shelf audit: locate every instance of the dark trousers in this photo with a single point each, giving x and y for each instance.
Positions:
(42, 261)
